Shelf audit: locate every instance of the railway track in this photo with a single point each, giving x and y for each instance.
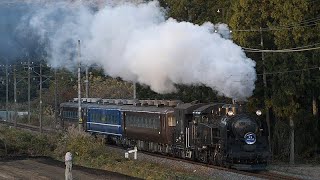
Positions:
(26, 126)
(259, 174)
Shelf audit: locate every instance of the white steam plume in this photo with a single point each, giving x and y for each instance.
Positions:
(137, 43)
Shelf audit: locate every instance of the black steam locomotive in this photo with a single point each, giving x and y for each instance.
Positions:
(217, 133)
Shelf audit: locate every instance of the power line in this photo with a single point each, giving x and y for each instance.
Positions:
(272, 29)
(290, 71)
(296, 49)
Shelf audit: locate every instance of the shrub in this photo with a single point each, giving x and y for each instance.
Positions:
(20, 142)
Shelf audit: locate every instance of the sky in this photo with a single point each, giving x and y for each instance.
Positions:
(134, 41)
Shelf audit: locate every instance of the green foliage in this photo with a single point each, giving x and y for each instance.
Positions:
(184, 93)
(281, 143)
(106, 87)
(198, 11)
(291, 85)
(24, 143)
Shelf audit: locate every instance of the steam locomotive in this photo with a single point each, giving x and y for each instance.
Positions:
(216, 133)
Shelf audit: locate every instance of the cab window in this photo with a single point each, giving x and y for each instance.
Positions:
(172, 121)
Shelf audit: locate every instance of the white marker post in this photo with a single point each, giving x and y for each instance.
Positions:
(68, 162)
(135, 151)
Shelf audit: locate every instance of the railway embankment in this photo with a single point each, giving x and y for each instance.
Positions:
(91, 152)
(88, 151)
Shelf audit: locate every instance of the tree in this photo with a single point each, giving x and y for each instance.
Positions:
(198, 11)
(284, 24)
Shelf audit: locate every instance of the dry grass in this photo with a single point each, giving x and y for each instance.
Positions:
(87, 151)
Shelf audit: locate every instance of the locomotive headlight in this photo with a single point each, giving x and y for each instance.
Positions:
(258, 112)
(230, 113)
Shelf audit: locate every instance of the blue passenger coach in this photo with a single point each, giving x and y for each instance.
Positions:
(104, 121)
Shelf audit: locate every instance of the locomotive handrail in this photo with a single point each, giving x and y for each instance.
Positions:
(103, 124)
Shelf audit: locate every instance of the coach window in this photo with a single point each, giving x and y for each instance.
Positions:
(133, 120)
(111, 119)
(141, 122)
(157, 123)
(114, 120)
(145, 122)
(129, 121)
(137, 121)
(108, 119)
(90, 116)
(95, 116)
(103, 118)
(149, 122)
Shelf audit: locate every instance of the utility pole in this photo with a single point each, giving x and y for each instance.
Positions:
(7, 93)
(40, 97)
(264, 76)
(291, 140)
(29, 103)
(87, 82)
(15, 95)
(79, 87)
(55, 96)
(134, 90)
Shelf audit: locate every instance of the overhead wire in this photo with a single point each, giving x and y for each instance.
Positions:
(289, 71)
(305, 23)
(279, 50)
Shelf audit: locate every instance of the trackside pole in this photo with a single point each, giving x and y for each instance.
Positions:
(68, 162)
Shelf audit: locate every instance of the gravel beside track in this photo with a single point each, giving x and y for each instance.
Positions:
(309, 172)
(274, 171)
(201, 170)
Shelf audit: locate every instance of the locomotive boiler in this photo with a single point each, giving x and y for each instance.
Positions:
(217, 133)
